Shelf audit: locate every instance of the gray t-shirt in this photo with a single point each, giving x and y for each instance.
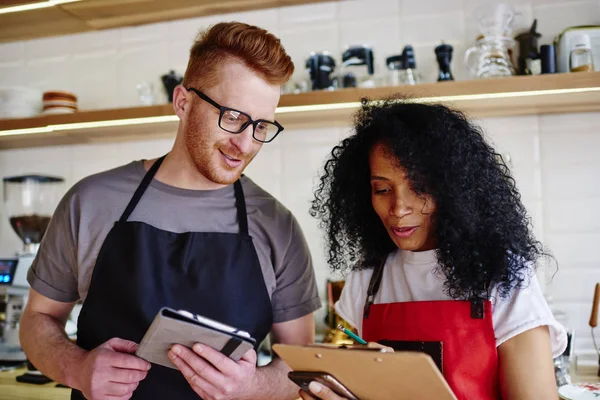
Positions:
(63, 267)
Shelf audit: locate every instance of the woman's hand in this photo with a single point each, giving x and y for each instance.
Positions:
(375, 345)
(318, 391)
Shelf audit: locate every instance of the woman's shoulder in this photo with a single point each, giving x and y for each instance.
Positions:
(524, 308)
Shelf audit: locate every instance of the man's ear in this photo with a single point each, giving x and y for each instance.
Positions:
(181, 100)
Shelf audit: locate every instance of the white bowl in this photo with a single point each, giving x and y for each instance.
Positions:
(20, 102)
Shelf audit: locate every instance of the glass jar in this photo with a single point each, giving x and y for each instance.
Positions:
(580, 58)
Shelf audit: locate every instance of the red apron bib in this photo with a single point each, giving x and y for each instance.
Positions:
(469, 358)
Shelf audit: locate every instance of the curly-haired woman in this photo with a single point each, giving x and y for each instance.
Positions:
(428, 219)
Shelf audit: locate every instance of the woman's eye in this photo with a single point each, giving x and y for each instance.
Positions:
(380, 191)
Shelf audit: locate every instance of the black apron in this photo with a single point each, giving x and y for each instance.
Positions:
(141, 268)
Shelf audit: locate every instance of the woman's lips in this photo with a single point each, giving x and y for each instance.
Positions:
(405, 231)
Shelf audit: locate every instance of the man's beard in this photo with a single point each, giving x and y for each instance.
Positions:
(202, 152)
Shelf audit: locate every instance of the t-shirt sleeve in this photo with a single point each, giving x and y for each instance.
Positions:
(296, 293)
(526, 309)
(352, 299)
(52, 272)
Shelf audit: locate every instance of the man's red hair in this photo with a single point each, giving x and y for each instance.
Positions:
(258, 49)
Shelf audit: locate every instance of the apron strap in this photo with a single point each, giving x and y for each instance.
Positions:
(141, 189)
(240, 205)
(477, 308)
(240, 200)
(373, 287)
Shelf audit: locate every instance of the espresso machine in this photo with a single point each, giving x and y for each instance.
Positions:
(29, 202)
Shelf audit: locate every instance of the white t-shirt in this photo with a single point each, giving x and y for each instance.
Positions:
(410, 276)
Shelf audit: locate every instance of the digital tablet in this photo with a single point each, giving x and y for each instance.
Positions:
(171, 327)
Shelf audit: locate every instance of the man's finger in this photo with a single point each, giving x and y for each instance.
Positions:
(121, 345)
(220, 361)
(127, 361)
(198, 384)
(249, 356)
(199, 365)
(323, 392)
(120, 375)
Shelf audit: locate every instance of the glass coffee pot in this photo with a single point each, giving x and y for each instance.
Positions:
(490, 57)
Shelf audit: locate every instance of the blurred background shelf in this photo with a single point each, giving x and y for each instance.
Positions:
(518, 95)
(91, 15)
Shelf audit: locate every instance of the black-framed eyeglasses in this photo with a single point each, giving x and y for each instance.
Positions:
(235, 121)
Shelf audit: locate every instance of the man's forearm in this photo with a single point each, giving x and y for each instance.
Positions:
(49, 349)
(274, 383)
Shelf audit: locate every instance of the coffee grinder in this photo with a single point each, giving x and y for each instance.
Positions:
(29, 202)
(443, 54)
(320, 66)
(530, 62)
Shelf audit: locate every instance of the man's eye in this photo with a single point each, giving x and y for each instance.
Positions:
(261, 127)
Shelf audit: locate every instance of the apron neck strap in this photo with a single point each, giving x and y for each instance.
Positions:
(374, 284)
(240, 200)
(240, 205)
(477, 302)
(141, 189)
(476, 307)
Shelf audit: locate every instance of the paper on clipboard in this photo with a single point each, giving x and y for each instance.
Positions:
(372, 375)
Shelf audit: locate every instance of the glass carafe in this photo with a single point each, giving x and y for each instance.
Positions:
(490, 57)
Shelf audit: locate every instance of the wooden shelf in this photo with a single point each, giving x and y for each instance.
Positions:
(90, 15)
(519, 95)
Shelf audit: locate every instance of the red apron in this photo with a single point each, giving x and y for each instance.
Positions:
(468, 358)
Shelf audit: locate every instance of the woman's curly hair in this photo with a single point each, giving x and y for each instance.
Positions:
(483, 233)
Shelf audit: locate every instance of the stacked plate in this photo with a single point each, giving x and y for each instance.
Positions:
(59, 102)
(20, 102)
(580, 391)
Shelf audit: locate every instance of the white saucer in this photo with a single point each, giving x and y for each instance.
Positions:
(580, 391)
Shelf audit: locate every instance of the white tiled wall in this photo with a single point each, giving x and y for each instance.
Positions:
(554, 158)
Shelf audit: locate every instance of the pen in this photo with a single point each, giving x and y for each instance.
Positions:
(351, 334)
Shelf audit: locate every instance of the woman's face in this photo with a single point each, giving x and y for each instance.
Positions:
(405, 215)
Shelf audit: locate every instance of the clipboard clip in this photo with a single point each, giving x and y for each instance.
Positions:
(348, 347)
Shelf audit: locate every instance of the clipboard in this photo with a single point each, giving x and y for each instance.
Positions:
(171, 327)
(372, 375)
